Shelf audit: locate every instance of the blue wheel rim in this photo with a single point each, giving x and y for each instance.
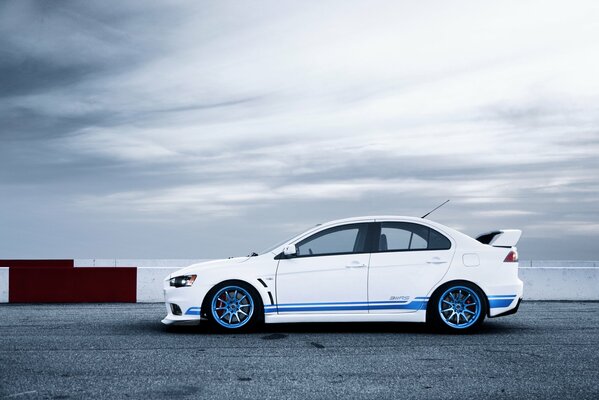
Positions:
(232, 307)
(459, 307)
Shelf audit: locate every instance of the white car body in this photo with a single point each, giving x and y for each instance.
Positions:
(366, 286)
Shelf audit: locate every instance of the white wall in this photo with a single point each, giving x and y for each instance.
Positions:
(3, 285)
(551, 283)
(558, 264)
(150, 283)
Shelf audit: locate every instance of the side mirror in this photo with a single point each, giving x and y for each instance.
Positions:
(290, 250)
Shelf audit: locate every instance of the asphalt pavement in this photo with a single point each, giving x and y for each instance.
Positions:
(549, 350)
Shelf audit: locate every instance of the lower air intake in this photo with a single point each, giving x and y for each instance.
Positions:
(176, 309)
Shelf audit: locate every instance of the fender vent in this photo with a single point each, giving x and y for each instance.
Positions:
(272, 302)
(262, 282)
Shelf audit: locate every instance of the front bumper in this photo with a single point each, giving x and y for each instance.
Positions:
(178, 320)
(187, 301)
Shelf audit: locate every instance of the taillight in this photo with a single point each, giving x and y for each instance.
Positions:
(512, 256)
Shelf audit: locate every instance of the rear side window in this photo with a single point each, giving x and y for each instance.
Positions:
(436, 241)
(404, 236)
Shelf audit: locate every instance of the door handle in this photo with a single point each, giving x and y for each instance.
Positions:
(355, 265)
(436, 261)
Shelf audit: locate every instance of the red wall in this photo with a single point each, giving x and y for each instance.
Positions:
(57, 281)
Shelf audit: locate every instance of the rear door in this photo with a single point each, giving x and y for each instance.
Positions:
(408, 261)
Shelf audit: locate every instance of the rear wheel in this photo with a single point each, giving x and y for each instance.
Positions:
(234, 307)
(458, 308)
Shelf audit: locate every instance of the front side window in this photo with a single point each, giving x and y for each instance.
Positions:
(403, 236)
(338, 240)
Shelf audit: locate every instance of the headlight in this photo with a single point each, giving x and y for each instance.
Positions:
(182, 281)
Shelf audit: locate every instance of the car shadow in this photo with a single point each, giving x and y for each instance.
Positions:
(273, 331)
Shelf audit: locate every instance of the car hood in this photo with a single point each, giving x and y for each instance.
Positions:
(206, 265)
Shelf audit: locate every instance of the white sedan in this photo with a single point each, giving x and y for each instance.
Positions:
(383, 268)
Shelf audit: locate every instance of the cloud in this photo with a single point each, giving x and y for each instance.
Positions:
(136, 114)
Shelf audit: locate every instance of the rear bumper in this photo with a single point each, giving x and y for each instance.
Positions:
(505, 299)
(509, 312)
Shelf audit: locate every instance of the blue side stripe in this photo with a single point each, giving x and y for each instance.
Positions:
(495, 301)
(357, 306)
(501, 300)
(498, 303)
(193, 311)
(346, 302)
(324, 308)
(340, 303)
(415, 305)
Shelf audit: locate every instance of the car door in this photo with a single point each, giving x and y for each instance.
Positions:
(328, 274)
(409, 260)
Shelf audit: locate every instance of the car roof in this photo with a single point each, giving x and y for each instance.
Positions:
(381, 218)
(377, 218)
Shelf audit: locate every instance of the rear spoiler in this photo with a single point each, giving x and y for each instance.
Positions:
(502, 238)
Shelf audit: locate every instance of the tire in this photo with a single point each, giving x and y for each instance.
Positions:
(457, 307)
(234, 306)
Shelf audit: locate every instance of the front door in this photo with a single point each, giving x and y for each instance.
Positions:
(327, 275)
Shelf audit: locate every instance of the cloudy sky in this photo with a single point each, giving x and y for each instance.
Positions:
(212, 128)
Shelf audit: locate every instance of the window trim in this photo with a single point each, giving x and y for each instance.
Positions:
(371, 244)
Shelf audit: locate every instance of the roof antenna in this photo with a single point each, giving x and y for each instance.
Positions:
(436, 208)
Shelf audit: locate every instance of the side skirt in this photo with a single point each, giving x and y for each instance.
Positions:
(418, 316)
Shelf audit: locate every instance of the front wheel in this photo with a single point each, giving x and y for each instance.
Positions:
(234, 307)
(458, 308)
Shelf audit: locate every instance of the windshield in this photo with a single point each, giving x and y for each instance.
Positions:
(271, 248)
